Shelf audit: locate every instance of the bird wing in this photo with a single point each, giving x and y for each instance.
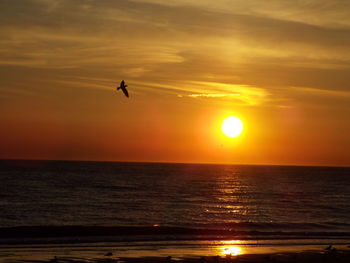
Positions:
(125, 91)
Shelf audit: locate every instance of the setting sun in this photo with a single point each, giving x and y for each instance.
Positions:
(232, 126)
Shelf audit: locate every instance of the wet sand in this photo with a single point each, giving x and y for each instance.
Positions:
(301, 257)
(312, 256)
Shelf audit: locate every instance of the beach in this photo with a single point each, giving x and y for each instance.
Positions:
(109, 253)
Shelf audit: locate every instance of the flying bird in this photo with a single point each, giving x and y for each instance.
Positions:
(123, 88)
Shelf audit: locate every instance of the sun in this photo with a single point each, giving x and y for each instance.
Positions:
(232, 127)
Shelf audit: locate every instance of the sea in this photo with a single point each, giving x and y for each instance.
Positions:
(125, 203)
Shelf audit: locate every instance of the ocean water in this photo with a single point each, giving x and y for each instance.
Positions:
(158, 201)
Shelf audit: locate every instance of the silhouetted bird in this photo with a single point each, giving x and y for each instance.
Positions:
(123, 88)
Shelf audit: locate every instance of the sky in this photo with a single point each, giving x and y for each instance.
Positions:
(281, 66)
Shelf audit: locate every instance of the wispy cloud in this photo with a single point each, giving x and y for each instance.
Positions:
(239, 94)
(319, 12)
(322, 92)
(209, 95)
(245, 94)
(175, 43)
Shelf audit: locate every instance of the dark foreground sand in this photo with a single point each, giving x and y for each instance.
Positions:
(303, 257)
(339, 256)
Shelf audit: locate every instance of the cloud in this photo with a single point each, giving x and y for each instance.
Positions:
(136, 19)
(318, 12)
(178, 44)
(322, 92)
(242, 94)
(209, 95)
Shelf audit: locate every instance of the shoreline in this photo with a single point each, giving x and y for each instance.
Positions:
(226, 252)
(239, 231)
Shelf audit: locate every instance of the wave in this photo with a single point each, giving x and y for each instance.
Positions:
(86, 234)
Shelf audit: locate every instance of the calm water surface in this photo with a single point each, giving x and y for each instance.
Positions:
(243, 198)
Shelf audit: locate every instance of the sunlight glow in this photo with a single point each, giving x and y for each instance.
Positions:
(232, 127)
(231, 250)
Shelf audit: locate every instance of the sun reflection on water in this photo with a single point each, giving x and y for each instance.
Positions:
(231, 248)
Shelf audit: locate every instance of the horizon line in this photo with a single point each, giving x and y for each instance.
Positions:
(174, 162)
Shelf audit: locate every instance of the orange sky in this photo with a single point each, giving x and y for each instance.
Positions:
(282, 67)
